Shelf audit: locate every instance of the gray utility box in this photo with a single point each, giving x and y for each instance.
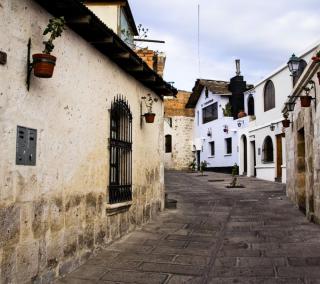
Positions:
(26, 146)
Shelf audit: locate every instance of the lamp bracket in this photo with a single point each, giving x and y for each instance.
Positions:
(29, 65)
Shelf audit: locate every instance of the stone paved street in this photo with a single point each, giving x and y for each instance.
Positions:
(217, 235)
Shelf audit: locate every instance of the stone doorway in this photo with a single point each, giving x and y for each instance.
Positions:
(301, 171)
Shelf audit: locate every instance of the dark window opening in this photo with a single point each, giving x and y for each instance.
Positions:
(228, 145)
(250, 105)
(168, 143)
(210, 113)
(269, 96)
(120, 181)
(267, 150)
(212, 148)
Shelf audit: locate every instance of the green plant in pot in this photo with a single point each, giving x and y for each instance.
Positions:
(43, 63)
(149, 115)
(285, 121)
(316, 58)
(306, 100)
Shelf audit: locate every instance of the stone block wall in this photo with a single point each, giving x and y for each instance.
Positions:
(179, 123)
(53, 215)
(302, 144)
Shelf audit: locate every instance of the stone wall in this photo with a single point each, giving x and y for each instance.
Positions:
(53, 215)
(179, 124)
(303, 167)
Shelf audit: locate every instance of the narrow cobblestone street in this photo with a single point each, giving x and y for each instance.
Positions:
(217, 235)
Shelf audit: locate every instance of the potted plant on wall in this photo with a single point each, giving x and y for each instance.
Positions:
(306, 100)
(241, 114)
(285, 121)
(43, 63)
(316, 58)
(149, 116)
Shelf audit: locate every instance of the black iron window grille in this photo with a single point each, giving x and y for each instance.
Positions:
(120, 183)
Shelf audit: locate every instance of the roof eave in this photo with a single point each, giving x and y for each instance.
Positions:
(87, 25)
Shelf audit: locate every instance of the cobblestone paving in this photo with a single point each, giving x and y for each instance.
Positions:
(217, 235)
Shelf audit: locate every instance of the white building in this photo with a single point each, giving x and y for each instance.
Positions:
(215, 129)
(261, 144)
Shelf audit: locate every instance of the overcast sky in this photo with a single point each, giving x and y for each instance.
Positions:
(262, 34)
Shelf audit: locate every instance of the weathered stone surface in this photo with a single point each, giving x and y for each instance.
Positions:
(279, 246)
(136, 277)
(8, 265)
(9, 225)
(27, 261)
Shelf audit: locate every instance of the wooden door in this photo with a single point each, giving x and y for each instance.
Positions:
(279, 156)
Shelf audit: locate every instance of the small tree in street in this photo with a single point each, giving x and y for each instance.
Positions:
(203, 166)
(193, 165)
(234, 173)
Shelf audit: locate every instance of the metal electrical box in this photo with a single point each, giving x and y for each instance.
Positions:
(26, 146)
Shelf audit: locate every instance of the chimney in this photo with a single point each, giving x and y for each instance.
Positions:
(155, 60)
(238, 72)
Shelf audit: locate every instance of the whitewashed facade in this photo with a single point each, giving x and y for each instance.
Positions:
(217, 131)
(267, 125)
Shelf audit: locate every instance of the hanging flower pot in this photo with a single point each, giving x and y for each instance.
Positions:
(305, 101)
(286, 123)
(241, 114)
(43, 65)
(316, 58)
(149, 117)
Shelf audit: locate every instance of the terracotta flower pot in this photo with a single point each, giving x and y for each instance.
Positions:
(286, 123)
(149, 117)
(316, 59)
(305, 101)
(241, 114)
(43, 65)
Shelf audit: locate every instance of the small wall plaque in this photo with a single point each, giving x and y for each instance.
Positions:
(3, 58)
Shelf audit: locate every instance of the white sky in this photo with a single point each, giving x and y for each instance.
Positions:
(262, 33)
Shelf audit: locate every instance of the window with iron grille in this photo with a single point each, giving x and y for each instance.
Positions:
(168, 143)
(210, 113)
(120, 181)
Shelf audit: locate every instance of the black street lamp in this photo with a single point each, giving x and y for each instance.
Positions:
(293, 64)
(290, 106)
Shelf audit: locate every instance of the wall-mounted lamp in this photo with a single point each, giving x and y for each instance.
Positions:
(272, 126)
(240, 123)
(209, 133)
(290, 106)
(293, 64)
(225, 129)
